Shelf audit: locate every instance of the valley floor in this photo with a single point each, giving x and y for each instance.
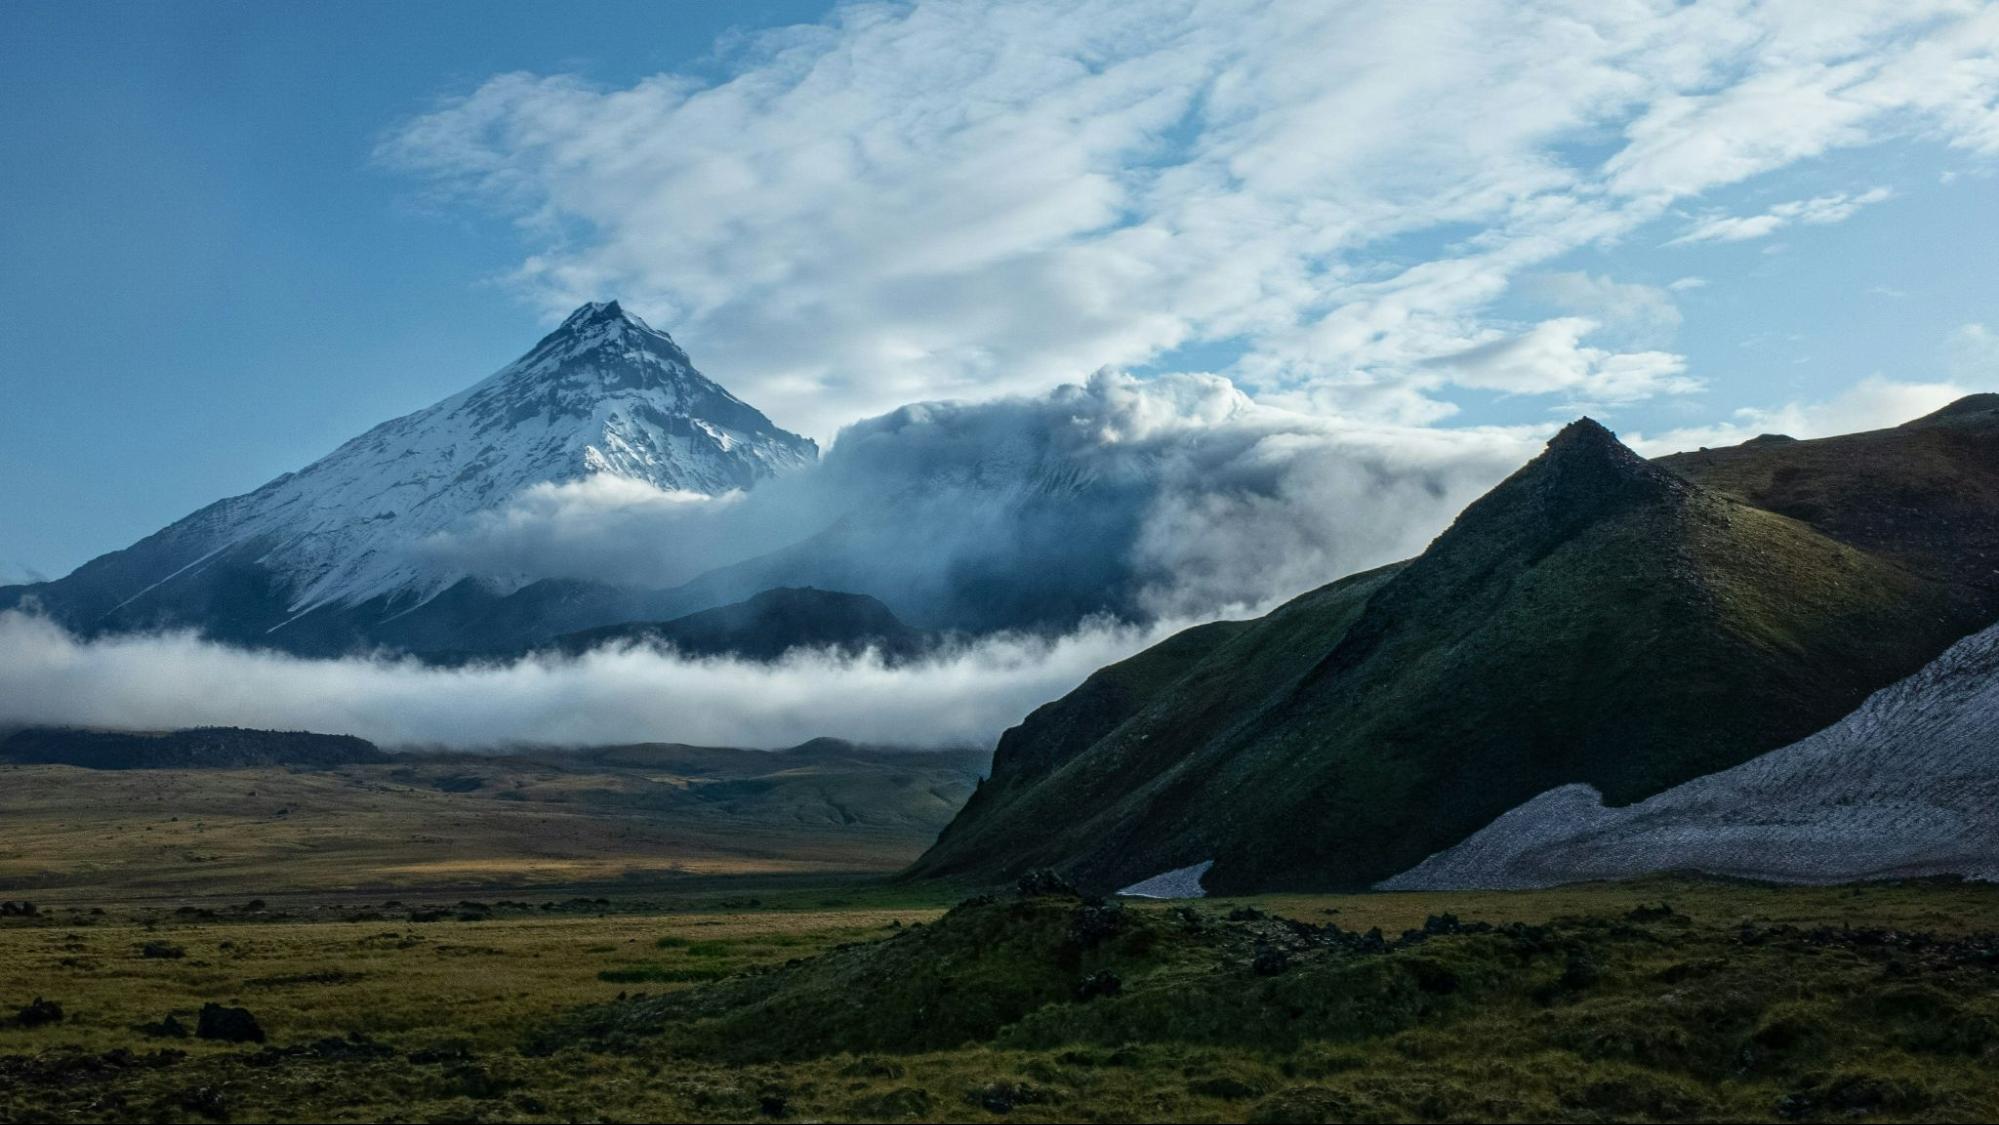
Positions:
(480, 824)
(1738, 1002)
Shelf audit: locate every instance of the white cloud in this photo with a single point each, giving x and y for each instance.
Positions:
(1641, 314)
(1972, 354)
(1176, 496)
(1873, 403)
(953, 200)
(1552, 356)
(960, 698)
(605, 528)
(1820, 210)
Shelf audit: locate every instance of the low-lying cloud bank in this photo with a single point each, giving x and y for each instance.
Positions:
(963, 697)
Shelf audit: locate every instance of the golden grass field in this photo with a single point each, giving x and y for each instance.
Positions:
(413, 825)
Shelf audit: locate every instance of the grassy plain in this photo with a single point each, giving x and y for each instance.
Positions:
(479, 824)
(665, 933)
(741, 998)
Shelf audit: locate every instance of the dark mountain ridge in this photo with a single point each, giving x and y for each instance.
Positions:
(192, 748)
(1595, 618)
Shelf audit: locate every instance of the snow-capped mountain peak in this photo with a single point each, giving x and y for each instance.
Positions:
(603, 393)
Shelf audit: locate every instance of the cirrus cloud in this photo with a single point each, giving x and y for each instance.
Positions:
(955, 200)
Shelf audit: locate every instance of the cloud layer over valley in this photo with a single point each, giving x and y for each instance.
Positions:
(962, 697)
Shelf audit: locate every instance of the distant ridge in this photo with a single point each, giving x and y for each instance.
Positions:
(194, 748)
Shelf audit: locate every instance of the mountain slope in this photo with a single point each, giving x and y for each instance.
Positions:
(1907, 785)
(1593, 618)
(1924, 494)
(322, 558)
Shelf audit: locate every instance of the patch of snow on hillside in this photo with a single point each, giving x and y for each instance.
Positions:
(1907, 785)
(1181, 882)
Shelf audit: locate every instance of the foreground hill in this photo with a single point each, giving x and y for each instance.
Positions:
(1595, 618)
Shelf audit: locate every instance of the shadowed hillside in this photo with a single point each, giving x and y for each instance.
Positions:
(1595, 618)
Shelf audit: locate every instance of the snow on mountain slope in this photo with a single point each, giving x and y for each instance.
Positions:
(603, 393)
(1906, 785)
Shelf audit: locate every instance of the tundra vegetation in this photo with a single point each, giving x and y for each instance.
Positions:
(823, 998)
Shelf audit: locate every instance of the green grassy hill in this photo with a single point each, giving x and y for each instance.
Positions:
(1595, 617)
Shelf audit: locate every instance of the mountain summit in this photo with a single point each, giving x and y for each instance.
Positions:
(603, 394)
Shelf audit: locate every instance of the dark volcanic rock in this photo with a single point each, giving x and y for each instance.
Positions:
(229, 1025)
(1041, 882)
(39, 1013)
(1103, 982)
(168, 1028)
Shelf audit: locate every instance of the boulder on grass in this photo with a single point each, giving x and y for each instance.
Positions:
(228, 1025)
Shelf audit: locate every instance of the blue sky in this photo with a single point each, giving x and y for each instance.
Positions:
(235, 235)
(207, 279)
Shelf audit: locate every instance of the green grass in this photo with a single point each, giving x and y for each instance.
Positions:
(661, 974)
(1715, 1012)
(607, 819)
